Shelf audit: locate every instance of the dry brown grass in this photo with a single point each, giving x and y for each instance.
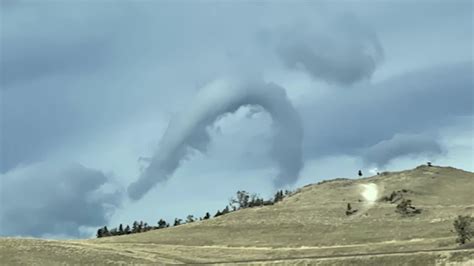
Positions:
(311, 223)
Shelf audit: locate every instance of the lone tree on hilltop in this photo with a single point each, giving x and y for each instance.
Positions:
(464, 226)
(360, 173)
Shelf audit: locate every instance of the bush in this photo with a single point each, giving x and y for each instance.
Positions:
(464, 228)
(406, 209)
(349, 210)
(395, 196)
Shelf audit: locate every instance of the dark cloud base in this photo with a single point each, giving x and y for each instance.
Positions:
(55, 199)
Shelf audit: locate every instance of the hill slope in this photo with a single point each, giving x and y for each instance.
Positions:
(308, 226)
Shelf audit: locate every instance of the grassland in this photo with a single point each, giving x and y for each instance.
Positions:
(308, 227)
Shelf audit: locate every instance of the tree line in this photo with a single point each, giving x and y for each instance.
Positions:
(242, 200)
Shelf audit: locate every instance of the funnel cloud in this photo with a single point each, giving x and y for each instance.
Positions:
(188, 131)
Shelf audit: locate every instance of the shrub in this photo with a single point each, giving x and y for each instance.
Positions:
(349, 210)
(406, 209)
(464, 228)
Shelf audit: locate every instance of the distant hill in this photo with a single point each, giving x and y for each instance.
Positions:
(309, 226)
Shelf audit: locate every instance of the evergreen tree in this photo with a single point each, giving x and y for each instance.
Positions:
(120, 230)
(105, 231)
(218, 213)
(207, 216)
(360, 173)
(177, 222)
(190, 218)
(113, 232)
(161, 223)
(225, 210)
(135, 227)
(255, 200)
(127, 230)
(278, 196)
(99, 233)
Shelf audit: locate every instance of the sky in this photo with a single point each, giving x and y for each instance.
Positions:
(116, 111)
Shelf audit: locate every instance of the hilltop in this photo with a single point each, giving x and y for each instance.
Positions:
(309, 226)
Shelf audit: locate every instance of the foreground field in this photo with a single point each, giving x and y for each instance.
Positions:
(32, 251)
(309, 227)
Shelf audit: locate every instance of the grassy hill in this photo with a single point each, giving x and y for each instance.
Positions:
(309, 226)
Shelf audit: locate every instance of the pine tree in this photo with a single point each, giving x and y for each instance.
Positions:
(190, 218)
(177, 222)
(135, 227)
(105, 231)
(278, 196)
(113, 231)
(120, 230)
(225, 210)
(161, 223)
(218, 213)
(207, 216)
(127, 230)
(145, 227)
(99, 233)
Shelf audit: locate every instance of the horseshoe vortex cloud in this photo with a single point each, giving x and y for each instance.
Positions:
(188, 131)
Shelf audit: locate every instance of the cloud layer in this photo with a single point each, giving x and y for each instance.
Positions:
(343, 52)
(419, 102)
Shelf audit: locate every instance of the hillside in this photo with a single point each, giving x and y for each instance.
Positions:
(310, 226)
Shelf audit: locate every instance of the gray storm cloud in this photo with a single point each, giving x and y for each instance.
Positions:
(55, 198)
(401, 145)
(188, 131)
(343, 52)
